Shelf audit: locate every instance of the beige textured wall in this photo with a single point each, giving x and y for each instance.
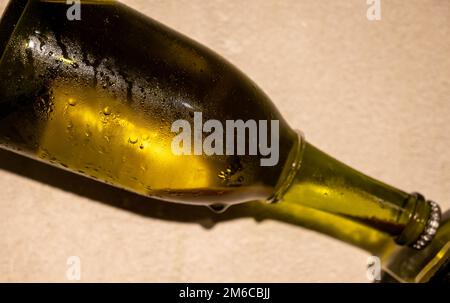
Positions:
(374, 94)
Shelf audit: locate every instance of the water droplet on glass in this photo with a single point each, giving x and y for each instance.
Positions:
(72, 102)
(107, 111)
(218, 208)
(133, 139)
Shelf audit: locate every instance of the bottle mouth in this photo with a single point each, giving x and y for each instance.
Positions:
(290, 170)
(431, 227)
(11, 17)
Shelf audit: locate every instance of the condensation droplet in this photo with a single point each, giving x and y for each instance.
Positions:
(133, 139)
(107, 111)
(72, 102)
(218, 208)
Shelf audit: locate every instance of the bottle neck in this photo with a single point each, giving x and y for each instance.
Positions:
(349, 202)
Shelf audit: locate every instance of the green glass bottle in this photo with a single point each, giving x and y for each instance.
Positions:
(99, 97)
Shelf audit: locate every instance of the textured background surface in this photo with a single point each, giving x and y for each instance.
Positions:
(374, 94)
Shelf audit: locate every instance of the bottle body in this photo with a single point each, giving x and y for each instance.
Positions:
(99, 96)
